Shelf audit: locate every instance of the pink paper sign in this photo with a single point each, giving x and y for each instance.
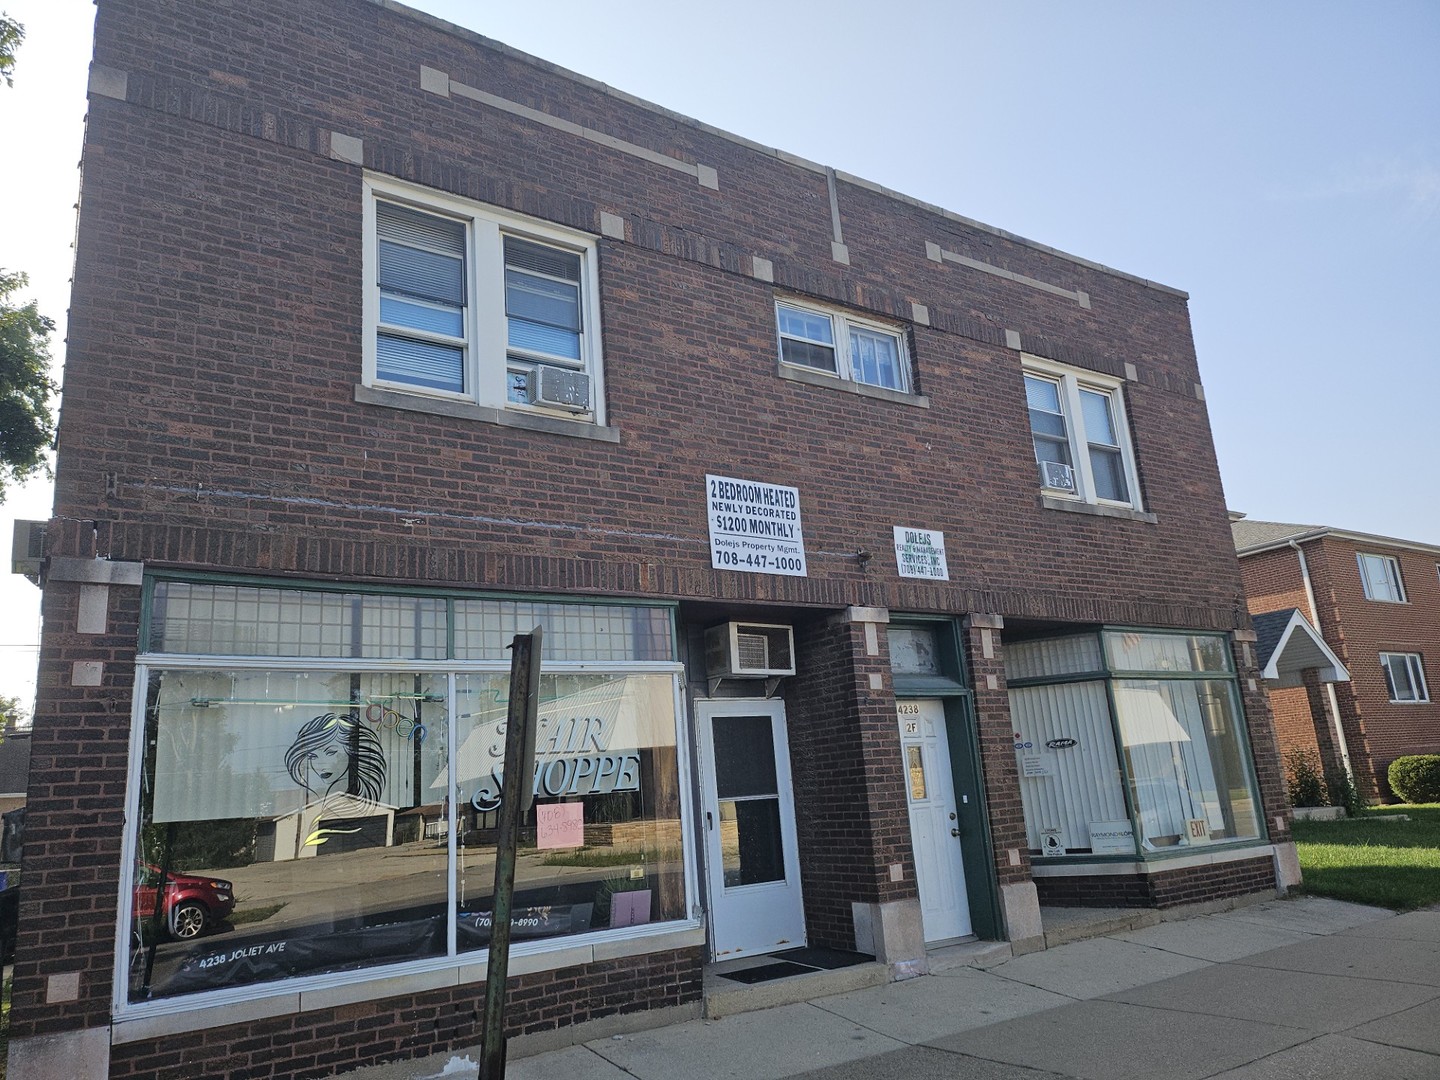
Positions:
(560, 825)
(630, 908)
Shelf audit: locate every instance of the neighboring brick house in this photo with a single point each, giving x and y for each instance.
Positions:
(881, 554)
(1376, 602)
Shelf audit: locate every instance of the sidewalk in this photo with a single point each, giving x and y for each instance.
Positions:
(1308, 988)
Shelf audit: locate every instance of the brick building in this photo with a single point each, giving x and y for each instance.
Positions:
(1376, 602)
(881, 554)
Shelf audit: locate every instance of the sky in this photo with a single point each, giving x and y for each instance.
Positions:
(1279, 161)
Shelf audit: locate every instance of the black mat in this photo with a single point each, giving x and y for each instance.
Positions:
(829, 959)
(766, 972)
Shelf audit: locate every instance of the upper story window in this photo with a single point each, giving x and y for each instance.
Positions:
(1404, 677)
(473, 304)
(1077, 426)
(1380, 576)
(843, 346)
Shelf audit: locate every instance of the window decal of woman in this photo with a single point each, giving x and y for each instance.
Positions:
(340, 760)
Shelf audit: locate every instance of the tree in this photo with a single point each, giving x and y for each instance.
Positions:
(27, 426)
(12, 713)
(11, 34)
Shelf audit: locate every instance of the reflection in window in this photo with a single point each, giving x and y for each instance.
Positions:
(1185, 779)
(289, 819)
(294, 823)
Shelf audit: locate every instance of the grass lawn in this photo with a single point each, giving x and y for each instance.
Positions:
(1392, 864)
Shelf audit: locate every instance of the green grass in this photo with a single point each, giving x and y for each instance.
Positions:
(1392, 864)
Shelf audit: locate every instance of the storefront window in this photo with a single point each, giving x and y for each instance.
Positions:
(304, 818)
(1180, 773)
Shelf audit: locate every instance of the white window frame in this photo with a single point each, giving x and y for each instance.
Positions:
(1414, 666)
(1070, 381)
(841, 324)
(486, 353)
(1388, 574)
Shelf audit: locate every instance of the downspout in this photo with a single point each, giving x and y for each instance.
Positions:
(1329, 686)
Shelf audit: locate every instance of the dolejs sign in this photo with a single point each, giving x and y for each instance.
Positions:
(754, 527)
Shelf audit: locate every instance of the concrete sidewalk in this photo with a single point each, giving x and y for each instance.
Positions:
(1288, 989)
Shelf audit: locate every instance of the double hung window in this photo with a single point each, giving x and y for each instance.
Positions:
(843, 346)
(1404, 677)
(470, 303)
(1077, 428)
(1380, 577)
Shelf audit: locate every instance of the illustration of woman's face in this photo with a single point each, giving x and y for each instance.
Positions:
(330, 762)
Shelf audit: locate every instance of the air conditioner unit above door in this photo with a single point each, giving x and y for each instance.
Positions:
(1057, 475)
(740, 650)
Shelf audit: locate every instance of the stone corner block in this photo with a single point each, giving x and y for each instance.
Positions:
(1083, 299)
(1132, 373)
(708, 177)
(87, 673)
(67, 1055)
(1199, 392)
(1287, 866)
(839, 252)
(108, 82)
(1021, 907)
(347, 148)
(920, 313)
(1012, 339)
(933, 252)
(763, 269)
(612, 225)
(434, 82)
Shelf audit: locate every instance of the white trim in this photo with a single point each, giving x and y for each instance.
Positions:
(1393, 577)
(841, 323)
(1148, 869)
(1336, 672)
(1415, 672)
(1070, 381)
(454, 968)
(486, 351)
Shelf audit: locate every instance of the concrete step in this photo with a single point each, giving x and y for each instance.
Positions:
(725, 997)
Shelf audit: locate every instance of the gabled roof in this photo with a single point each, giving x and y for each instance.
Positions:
(1286, 645)
(1252, 537)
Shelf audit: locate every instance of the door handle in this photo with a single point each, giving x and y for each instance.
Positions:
(709, 821)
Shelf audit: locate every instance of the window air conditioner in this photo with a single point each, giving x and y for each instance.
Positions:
(1058, 475)
(27, 548)
(560, 388)
(737, 650)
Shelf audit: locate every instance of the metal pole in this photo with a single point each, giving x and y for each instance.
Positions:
(516, 794)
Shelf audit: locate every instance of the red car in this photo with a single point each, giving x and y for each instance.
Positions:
(191, 903)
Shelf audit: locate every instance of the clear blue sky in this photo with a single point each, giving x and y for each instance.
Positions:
(1280, 161)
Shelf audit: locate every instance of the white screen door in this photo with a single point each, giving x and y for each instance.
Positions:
(934, 820)
(752, 866)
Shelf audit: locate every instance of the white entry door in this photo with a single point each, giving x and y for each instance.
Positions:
(934, 820)
(752, 865)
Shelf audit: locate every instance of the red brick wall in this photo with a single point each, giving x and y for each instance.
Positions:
(1192, 885)
(210, 419)
(850, 804)
(323, 1042)
(1367, 628)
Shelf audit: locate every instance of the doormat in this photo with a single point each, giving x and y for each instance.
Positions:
(766, 972)
(829, 959)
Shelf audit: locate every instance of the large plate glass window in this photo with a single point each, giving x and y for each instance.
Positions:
(322, 794)
(1130, 741)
